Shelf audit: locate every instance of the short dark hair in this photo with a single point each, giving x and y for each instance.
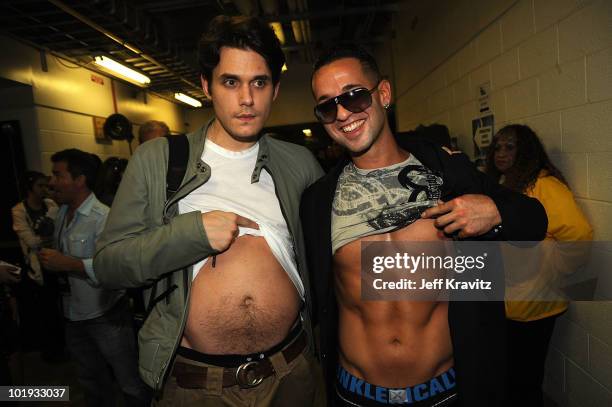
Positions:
(243, 33)
(437, 133)
(79, 163)
(341, 51)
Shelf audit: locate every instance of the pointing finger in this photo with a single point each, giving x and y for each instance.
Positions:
(246, 222)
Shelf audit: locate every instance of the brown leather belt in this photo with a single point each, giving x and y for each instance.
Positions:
(247, 375)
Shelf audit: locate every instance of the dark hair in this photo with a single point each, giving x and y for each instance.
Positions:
(79, 163)
(436, 133)
(341, 51)
(109, 178)
(243, 33)
(531, 159)
(27, 181)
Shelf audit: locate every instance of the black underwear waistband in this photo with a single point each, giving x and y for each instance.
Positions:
(232, 360)
(438, 391)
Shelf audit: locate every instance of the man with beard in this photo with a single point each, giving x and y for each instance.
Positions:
(230, 318)
(99, 327)
(422, 353)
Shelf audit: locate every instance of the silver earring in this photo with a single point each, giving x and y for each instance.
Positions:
(386, 106)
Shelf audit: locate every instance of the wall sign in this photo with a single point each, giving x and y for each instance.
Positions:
(98, 125)
(482, 133)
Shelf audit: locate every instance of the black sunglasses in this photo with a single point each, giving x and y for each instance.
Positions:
(355, 101)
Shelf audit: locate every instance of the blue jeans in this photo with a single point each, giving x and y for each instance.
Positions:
(104, 347)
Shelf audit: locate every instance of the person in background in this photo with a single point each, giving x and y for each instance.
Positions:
(38, 292)
(9, 274)
(435, 133)
(518, 160)
(33, 220)
(152, 129)
(99, 327)
(109, 178)
(9, 348)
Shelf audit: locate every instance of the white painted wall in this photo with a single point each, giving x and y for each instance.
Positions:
(550, 66)
(57, 107)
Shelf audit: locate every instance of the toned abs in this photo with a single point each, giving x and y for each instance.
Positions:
(245, 304)
(389, 343)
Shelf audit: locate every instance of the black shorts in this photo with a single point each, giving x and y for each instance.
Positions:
(440, 391)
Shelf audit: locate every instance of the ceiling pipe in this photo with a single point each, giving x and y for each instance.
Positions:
(269, 7)
(247, 7)
(117, 39)
(301, 27)
(297, 32)
(335, 12)
(293, 7)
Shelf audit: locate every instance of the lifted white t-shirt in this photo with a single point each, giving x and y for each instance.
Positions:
(230, 189)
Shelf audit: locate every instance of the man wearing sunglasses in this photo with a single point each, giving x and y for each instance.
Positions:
(403, 352)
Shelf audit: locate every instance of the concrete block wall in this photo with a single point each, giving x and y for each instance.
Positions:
(549, 63)
(56, 106)
(59, 129)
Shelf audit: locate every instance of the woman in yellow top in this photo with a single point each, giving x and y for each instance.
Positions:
(518, 160)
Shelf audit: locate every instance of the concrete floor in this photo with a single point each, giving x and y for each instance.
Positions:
(37, 372)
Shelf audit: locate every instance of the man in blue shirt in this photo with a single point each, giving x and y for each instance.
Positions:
(99, 326)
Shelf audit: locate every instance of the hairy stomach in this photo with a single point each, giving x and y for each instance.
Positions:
(245, 304)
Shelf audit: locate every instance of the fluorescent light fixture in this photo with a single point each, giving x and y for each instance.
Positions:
(307, 132)
(188, 99)
(284, 68)
(278, 30)
(297, 31)
(122, 70)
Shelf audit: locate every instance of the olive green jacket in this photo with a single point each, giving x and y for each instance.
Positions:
(147, 243)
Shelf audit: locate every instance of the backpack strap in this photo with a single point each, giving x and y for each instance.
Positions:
(178, 156)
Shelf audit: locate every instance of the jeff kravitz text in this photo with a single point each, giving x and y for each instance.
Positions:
(404, 271)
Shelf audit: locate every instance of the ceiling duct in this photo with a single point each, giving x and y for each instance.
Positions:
(87, 21)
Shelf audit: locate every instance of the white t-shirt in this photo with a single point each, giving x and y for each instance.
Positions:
(229, 188)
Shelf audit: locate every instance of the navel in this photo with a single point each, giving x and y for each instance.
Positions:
(247, 301)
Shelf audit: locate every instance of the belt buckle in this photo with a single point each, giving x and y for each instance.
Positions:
(246, 375)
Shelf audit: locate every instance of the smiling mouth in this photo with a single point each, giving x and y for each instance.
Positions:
(353, 126)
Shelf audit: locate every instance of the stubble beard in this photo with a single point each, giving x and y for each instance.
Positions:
(242, 138)
(372, 138)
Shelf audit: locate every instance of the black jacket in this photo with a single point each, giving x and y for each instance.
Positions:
(477, 328)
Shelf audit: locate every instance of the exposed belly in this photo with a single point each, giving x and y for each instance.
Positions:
(245, 304)
(390, 343)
